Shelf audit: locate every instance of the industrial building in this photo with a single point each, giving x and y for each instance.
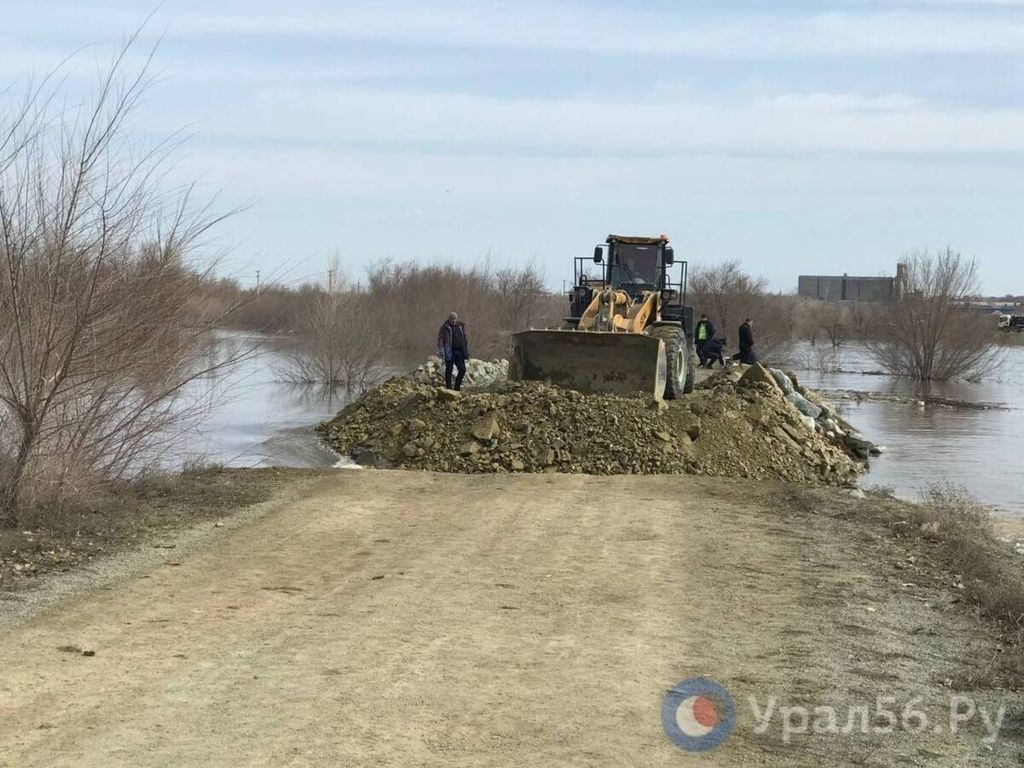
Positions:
(853, 288)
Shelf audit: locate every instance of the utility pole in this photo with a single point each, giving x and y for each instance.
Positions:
(257, 283)
(330, 280)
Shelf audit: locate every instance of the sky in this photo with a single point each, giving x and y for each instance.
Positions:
(796, 137)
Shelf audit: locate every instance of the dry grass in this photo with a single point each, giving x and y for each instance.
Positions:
(123, 515)
(955, 538)
(959, 533)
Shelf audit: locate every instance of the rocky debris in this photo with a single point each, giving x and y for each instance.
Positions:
(486, 427)
(818, 416)
(861, 447)
(758, 374)
(805, 406)
(367, 457)
(513, 427)
(785, 382)
(735, 424)
(480, 374)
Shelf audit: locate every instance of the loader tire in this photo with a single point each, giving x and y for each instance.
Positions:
(679, 357)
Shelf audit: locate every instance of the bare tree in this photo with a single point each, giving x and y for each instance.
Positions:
(494, 303)
(340, 343)
(929, 333)
(729, 295)
(826, 321)
(725, 292)
(97, 339)
(520, 300)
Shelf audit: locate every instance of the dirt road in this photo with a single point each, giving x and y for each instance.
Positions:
(393, 618)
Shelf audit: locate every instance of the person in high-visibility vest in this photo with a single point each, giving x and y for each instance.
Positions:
(702, 334)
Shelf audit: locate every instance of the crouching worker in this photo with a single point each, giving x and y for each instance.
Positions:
(713, 352)
(453, 348)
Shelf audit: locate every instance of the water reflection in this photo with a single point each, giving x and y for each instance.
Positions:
(254, 419)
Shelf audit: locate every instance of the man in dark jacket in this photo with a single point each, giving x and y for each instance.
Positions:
(713, 352)
(702, 334)
(746, 354)
(453, 348)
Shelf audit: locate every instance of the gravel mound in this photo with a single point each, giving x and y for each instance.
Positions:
(480, 374)
(736, 425)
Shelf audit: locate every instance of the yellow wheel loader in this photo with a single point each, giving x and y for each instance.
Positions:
(629, 328)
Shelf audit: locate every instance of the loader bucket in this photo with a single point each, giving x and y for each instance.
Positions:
(591, 361)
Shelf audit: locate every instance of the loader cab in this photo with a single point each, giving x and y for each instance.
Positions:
(635, 268)
(634, 265)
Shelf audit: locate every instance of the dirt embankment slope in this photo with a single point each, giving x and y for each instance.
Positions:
(411, 618)
(729, 427)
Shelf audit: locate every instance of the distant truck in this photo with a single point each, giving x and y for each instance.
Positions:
(1014, 323)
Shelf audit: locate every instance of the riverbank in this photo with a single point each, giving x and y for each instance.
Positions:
(445, 619)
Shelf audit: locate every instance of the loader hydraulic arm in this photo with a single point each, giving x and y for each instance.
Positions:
(613, 310)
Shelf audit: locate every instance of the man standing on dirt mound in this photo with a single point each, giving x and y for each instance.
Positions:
(746, 354)
(453, 348)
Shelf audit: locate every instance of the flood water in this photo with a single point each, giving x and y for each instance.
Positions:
(256, 420)
(979, 450)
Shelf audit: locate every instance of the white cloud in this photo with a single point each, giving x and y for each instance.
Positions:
(392, 177)
(917, 28)
(795, 123)
(636, 31)
(837, 103)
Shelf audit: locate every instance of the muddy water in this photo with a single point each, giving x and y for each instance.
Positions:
(981, 450)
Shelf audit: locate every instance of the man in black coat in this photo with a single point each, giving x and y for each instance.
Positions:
(746, 354)
(453, 348)
(702, 334)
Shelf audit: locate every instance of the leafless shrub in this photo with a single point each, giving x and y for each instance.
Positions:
(274, 309)
(823, 359)
(725, 292)
(521, 301)
(97, 337)
(340, 342)
(826, 322)
(928, 333)
(494, 304)
(728, 295)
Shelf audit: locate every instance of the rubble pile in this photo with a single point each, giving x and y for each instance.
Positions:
(792, 433)
(480, 374)
(738, 423)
